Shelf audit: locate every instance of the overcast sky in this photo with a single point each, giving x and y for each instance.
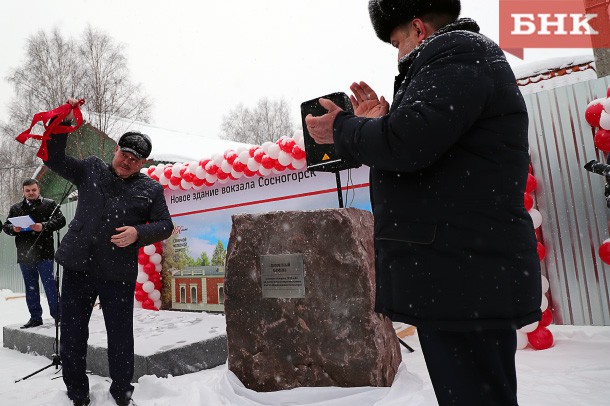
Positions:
(199, 59)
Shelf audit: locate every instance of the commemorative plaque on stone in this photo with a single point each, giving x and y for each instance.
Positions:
(299, 298)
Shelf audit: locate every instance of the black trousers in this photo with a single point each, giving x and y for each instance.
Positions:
(78, 294)
(471, 368)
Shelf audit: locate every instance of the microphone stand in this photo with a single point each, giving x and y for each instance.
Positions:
(55, 358)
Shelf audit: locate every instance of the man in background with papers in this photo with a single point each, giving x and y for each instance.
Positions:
(35, 250)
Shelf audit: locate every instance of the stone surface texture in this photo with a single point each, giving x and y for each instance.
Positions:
(332, 337)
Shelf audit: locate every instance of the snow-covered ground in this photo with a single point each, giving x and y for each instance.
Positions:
(575, 371)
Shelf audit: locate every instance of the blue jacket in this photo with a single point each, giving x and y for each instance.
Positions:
(455, 247)
(106, 202)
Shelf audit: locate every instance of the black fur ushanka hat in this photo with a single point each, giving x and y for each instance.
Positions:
(389, 14)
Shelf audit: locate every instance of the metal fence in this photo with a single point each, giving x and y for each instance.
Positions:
(571, 201)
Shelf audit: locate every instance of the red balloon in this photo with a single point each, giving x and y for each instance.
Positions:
(148, 304)
(541, 251)
(258, 155)
(182, 170)
(252, 150)
(198, 182)
(528, 201)
(167, 172)
(540, 339)
(297, 152)
(547, 318)
(141, 296)
(602, 140)
(143, 259)
(203, 163)
(531, 184)
(151, 169)
(138, 286)
(230, 156)
(238, 166)
(154, 277)
(604, 251)
(174, 180)
(593, 113)
(222, 175)
(212, 169)
(248, 173)
(287, 145)
(158, 285)
(267, 162)
(278, 166)
(150, 268)
(530, 169)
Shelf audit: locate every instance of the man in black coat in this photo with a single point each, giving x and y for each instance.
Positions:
(455, 247)
(35, 248)
(119, 210)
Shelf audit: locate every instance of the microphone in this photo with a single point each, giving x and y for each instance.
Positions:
(598, 168)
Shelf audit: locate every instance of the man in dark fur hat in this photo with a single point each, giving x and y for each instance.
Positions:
(455, 247)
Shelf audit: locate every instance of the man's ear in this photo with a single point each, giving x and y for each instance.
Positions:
(116, 148)
(420, 29)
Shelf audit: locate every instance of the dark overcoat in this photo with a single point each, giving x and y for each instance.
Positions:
(106, 202)
(35, 246)
(455, 247)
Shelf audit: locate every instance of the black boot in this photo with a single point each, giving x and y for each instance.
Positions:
(81, 402)
(32, 323)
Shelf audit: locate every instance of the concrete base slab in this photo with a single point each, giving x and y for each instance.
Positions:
(166, 342)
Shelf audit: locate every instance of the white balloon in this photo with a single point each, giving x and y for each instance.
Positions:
(545, 303)
(244, 156)
(142, 277)
(252, 165)
(157, 304)
(158, 267)
(236, 174)
(284, 158)
(241, 149)
(144, 171)
(195, 187)
(172, 186)
(299, 163)
(274, 151)
(596, 101)
(163, 180)
(606, 103)
(225, 166)
(545, 284)
(264, 171)
(521, 340)
(266, 146)
(140, 268)
(529, 328)
(155, 258)
(211, 178)
(137, 305)
(149, 249)
(200, 172)
(217, 159)
(148, 286)
(159, 170)
(176, 170)
(536, 217)
(222, 181)
(604, 120)
(154, 295)
(186, 185)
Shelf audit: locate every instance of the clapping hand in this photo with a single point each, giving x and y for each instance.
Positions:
(365, 101)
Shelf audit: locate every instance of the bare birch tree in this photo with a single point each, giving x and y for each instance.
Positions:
(268, 121)
(92, 66)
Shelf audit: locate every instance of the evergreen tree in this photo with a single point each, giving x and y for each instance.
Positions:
(220, 254)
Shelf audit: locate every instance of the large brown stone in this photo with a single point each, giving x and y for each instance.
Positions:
(332, 337)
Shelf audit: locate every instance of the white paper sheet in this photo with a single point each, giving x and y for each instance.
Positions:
(21, 221)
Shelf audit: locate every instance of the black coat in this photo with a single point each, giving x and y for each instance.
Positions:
(105, 202)
(31, 245)
(455, 247)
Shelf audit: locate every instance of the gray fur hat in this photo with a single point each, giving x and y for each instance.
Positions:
(389, 14)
